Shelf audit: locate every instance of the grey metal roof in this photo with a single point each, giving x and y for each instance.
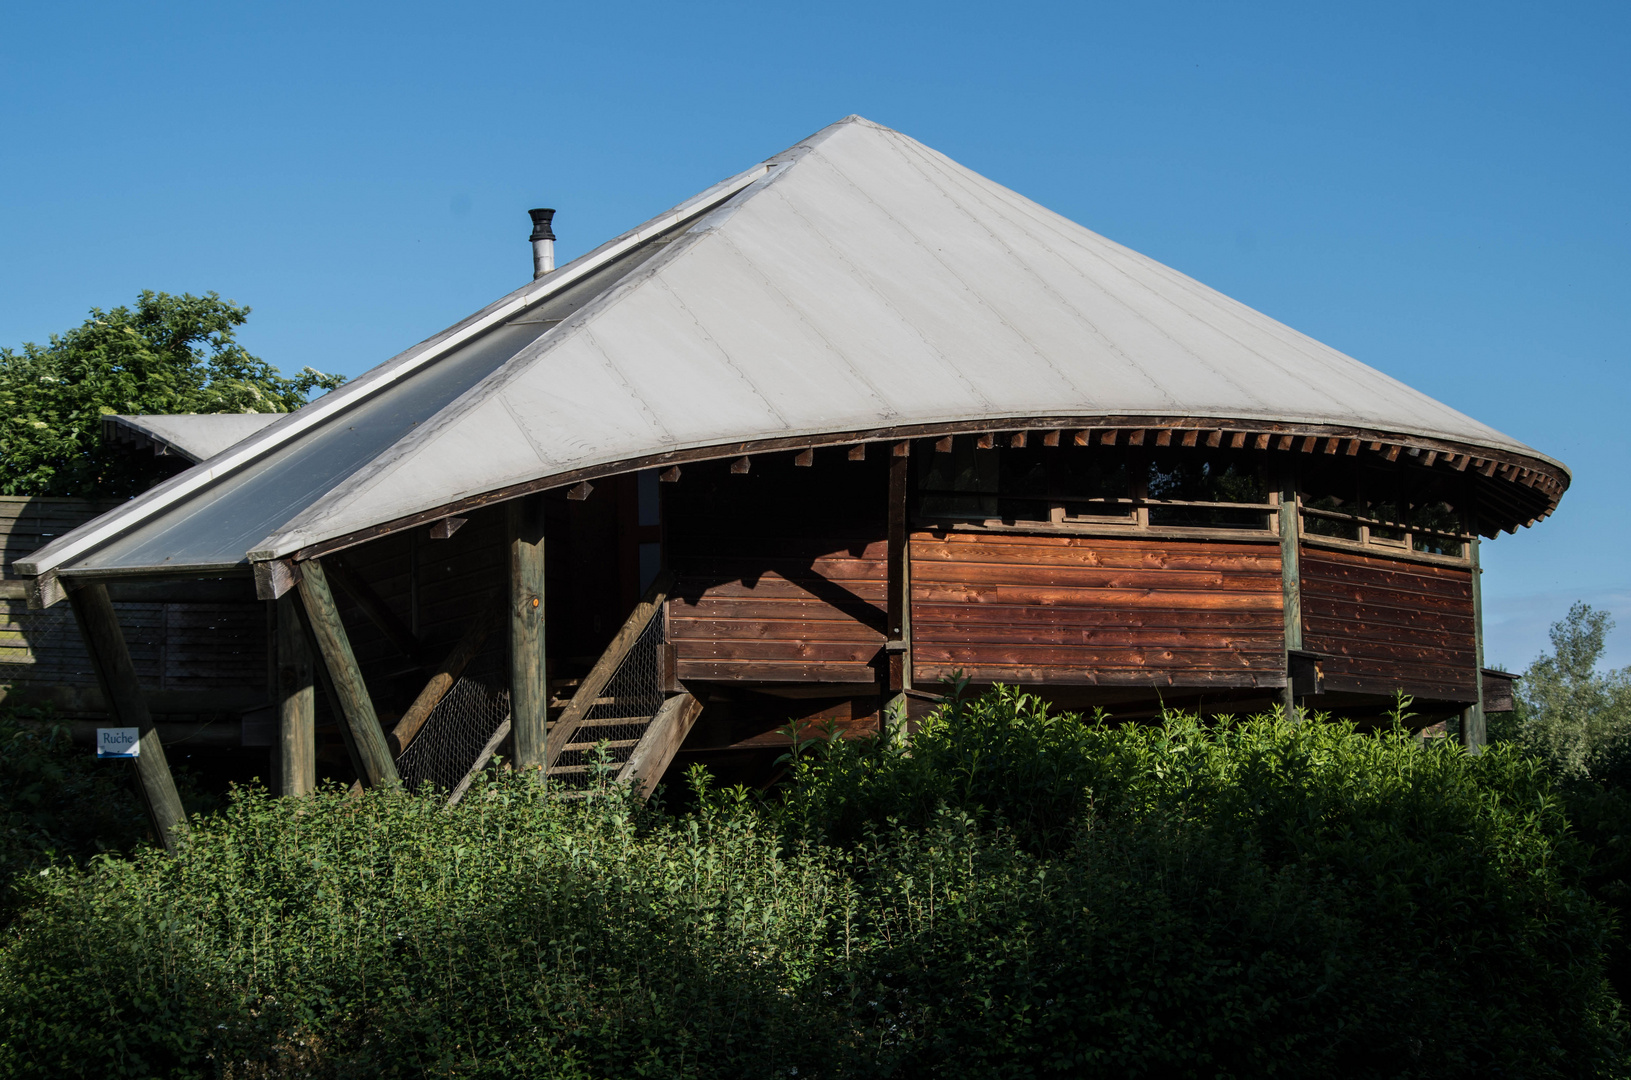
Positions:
(858, 281)
(194, 436)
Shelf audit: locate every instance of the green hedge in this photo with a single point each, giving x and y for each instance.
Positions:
(1020, 894)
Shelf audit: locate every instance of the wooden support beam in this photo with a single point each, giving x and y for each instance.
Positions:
(1309, 442)
(1262, 440)
(1392, 453)
(377, 611)
(1163, 437)
(529, 668)
(296, 693)
(494, 741)
(858, 452)
(658, 745)
(987, 441)
(1214, 438)
(1431, 456)
(1083, 437)
(444, 529)
(345, 677)
(671, 475)
(127, 707)
(1050, 438)
(1108, 437)
(1016, 441)
(805, 458)
(902, 449)
(1191, 437)
(1237, 440)
(1135, 437)
(1353, 447)
(1474, 730)
(1331, 445)
(943, 446)
(650, 607)
(274, 577)
(1285, 442)
(897, 600)
(1291, 582)
(1374, 447)
(742, 465)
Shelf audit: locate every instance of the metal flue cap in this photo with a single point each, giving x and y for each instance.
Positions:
(541, 220)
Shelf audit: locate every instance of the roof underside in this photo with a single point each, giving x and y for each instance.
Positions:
(194, 436)
(859, 282)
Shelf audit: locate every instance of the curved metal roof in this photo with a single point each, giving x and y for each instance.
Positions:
(858, 282)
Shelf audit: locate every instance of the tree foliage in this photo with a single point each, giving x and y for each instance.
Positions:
(1569, 713)
(167, 354)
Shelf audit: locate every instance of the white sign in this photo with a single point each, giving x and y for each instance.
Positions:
(118, 742)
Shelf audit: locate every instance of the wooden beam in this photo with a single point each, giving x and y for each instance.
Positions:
(804, 459)
(742, 465)
(659, 743)
(671, 475)
(1285, 442)
(580, 492)
(444, 529)
(1082, 437)
(1163, 437)
(1474, 729)
(650, 607)
(987, 441)
(127, 707)
(858, 452)
(1016, 441)
(943, 446)
(1432, 456)
(1108, 437)
(494, 741)
(1374, 447)
(356, 707)
(1050, 438)
(378, 612)
(482, 624)
(1191, 437)
(296, 693)
(274, 577)
(529, 668)
(1214, 438)
(1353, 447)
(1392, 452)
(902, 449)
(1262, 440)
(1309, 442)
(896, 598)
(1291, 582)
(1135, 437)
(1331, 445)
(1237, 440)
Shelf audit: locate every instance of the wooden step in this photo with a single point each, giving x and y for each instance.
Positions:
(618, 744)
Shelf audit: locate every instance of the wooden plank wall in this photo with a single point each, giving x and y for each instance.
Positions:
(1390, 623)
(780, 610)
(1096, 611)
(173, 646)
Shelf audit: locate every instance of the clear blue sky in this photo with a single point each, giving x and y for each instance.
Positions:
(1439, 190)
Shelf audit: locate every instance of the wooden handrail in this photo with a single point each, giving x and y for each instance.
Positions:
(649, 607)
(482, 624)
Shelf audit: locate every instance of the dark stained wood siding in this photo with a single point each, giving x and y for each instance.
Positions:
(1096, 611)
(797, 610)
(173, 646)
(1390, 623)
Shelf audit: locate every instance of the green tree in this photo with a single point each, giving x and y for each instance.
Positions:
(167, 354)
(1568, 712)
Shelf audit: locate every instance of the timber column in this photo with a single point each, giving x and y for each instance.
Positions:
(296, 703)
(370, 752)
(529, 680)
(1291, 584)
(1474, 733)
(110, 656)
(898, 617)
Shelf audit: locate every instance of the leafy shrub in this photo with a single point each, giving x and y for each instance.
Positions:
(1017, 893)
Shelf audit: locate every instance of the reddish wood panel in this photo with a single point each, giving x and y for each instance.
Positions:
(804, 611)
(1096, 611)
(1390, 624)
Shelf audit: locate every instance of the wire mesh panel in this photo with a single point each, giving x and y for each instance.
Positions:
(620, 715)
(458, 728)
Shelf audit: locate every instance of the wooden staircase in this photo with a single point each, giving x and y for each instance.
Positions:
(621, 721)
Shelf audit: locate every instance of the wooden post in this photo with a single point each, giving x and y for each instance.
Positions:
(351, 692)
(1474, 731)
(899, 642)
(110, 656)
(529, 677)
(296, 694)
(1291, 584)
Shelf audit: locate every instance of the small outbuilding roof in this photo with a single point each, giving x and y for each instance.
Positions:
(859, 285)
(194, 436)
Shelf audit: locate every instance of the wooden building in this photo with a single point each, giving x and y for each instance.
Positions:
(839, 427)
